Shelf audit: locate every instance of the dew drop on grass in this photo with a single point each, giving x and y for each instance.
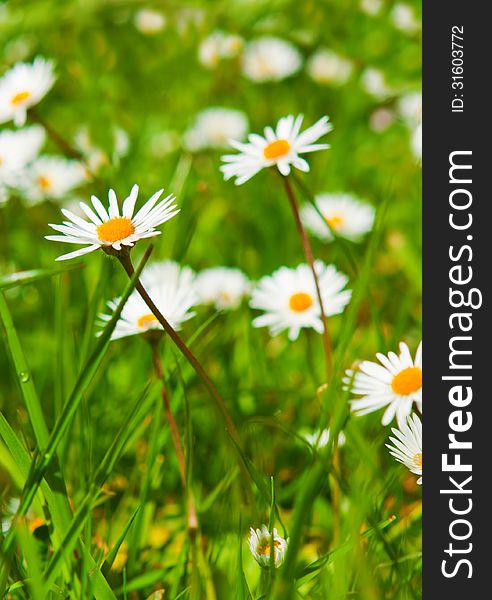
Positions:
(24, 376)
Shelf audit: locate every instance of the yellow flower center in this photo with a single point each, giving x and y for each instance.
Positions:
(334, 221)
(117, 228)
(145, 321)
(407, 381)
(20, 98)
(44, 183)
(264, 550)
(276, 149)
(300, 302)
(417, 460)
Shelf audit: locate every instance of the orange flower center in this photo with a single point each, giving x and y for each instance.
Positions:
(407, 381)
(265, 549)
(417, 460)
(44, 183)
(145, 321)
(300, 302)
(20, 98)
(276, 149)
(117, 228)
(334, 222)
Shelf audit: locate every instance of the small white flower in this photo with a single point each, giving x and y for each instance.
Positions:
(109, 228)
(17, 149)
(404, 18)
(52, 177)
(280, 148)
(371, 7)
(327, 67)
(289, 300)
(407, 445)
(23, 86)
(270, 59)
(397, 384)
(344, 214)
(259, 543)
(214, 127)
(218, 46)
(417, 142)
(410, 108)
(381, 119)
(374, 83)
(223, 287)
(148, 21)
(319, 439)
(171, 288)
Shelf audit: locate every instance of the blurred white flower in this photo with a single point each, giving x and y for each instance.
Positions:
(280, 148)
(259, 543)
(95, 157)
(410, 108)
(270, 59)
(396, 384)
(171, 288)
(51, 178)
(109, 228)
(289, 300)
(23, 86)
(223, 287)
(218, 46)
(326, 67)
(17, 149)
(403, 18)
(214, 127)
(407, 445)
(371, 7)
(381, 119)
(149, 21)
(345, 214)
(319, 439)
(417, 142)
(374, 83)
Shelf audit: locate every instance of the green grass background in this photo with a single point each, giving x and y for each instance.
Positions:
(110, 74)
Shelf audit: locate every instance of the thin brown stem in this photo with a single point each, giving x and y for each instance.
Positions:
(59, 140)
(178, 448)
(310, 260)
(188, 354)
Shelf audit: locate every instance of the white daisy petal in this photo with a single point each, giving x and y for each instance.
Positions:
(395, 384)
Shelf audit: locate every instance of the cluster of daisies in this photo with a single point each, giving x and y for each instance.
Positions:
(22, 169)
(287, 300)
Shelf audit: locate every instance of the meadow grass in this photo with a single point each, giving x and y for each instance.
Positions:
(105, 507)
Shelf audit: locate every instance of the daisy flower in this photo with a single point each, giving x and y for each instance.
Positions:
(259, 544)
(172, 290)
(410, 108)
(280, 148)
(214, 127)
(319, 439)
(223, 287)
(346, 215)
(395, 384)
(327, 67)
(289, 300)
(17, 149)
(23, 86)
(270, 59)
(407, 445)
(217, 46)
(109, 229)
(374, 83)
(148, 21)
(52, 177)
